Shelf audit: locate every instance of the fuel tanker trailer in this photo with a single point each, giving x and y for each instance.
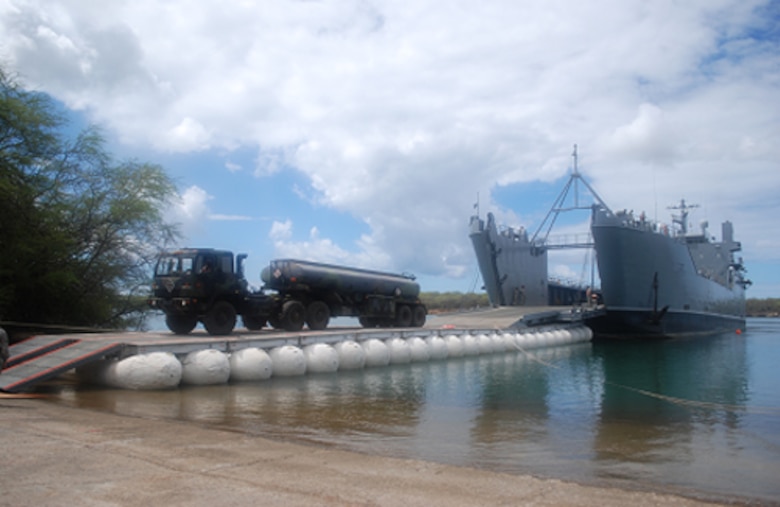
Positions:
(314, 292)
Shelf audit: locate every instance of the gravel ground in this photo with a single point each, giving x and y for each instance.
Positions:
(56, 455)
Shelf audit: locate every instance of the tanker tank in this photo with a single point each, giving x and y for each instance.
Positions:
(290, 274)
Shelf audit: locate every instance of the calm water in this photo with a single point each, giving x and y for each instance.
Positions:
(699, 416)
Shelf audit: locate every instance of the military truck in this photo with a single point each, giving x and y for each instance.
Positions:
(207, 285)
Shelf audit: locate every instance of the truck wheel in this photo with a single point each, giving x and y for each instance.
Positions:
(317, 316)
(293, 316)
(252, 322)
(367, 321)
(221, 319)
(418, 316)
(181, 324)
(275, 321)
(4, 351)
(403, 316)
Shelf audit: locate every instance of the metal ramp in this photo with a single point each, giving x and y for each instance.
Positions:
(42, 358)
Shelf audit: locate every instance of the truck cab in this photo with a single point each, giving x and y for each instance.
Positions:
(201, 284)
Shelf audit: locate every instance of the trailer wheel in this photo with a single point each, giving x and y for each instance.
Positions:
(181, 324)
(221, 319)
(252, 322)
(403, 316)
(317, 316)
(293, 316)
(418, 316)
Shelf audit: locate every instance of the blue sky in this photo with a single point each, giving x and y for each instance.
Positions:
(361, 132)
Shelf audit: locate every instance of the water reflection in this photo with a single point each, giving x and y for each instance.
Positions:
(662, 413)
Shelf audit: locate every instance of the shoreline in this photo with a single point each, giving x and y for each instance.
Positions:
(58, 455)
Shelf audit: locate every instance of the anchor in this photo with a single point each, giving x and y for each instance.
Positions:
(656, 316)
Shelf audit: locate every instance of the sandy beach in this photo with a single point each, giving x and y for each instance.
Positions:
(57, 455)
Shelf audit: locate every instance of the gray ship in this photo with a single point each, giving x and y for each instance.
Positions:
(668, 282)
(656, 280)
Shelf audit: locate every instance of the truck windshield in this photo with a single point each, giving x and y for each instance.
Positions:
(174, 265)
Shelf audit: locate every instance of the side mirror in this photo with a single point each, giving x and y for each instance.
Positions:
(240, 264)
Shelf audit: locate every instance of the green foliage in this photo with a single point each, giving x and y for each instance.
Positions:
(453, 301)
(769, 307)
(78, 230)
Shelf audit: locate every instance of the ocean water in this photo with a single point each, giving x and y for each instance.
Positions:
(698, 417)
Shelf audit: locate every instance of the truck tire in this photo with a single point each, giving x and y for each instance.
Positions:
(418, 316)
(403, 316)
(368, 321)
(293, 316)
(4, 351)
(252, 322)
(181, 324)
(317, 316)
(221, 319)
(275, 321)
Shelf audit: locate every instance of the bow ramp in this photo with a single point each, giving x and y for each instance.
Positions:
(44, 357)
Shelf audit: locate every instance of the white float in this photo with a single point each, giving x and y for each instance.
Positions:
(521, 341)
(351, 355)
(288, 361)
(454, 345)
(321, 358)
(400, 352)
(588, 333)
(153, 371)
(250, 364)
(531, 340)
(419, 349)
(156, 370)
(205, 367)
(498, 343)
(470, 345)
(437, 347)
(485, 344)
(377, 352)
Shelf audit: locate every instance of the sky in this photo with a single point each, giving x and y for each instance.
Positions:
(363, 132)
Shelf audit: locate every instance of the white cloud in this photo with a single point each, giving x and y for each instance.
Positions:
(399, 113)
(188, 135)
(232, 167)
(191, 210)
(280, 231)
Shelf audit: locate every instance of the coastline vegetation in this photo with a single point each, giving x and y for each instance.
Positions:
(768, 307)
(442, 302)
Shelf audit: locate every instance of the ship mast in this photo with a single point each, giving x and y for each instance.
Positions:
(682, 219)
(558, 206)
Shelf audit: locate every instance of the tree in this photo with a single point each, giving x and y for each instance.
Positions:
(78, 231)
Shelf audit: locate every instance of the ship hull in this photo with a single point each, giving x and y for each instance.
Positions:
(627, 323)
(656, 285)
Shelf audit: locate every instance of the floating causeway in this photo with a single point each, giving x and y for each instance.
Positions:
(42, 358)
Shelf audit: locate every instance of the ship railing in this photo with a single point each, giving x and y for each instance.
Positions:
(564, 241)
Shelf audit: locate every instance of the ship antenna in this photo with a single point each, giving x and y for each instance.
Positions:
(574, 156)
(576, 176)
